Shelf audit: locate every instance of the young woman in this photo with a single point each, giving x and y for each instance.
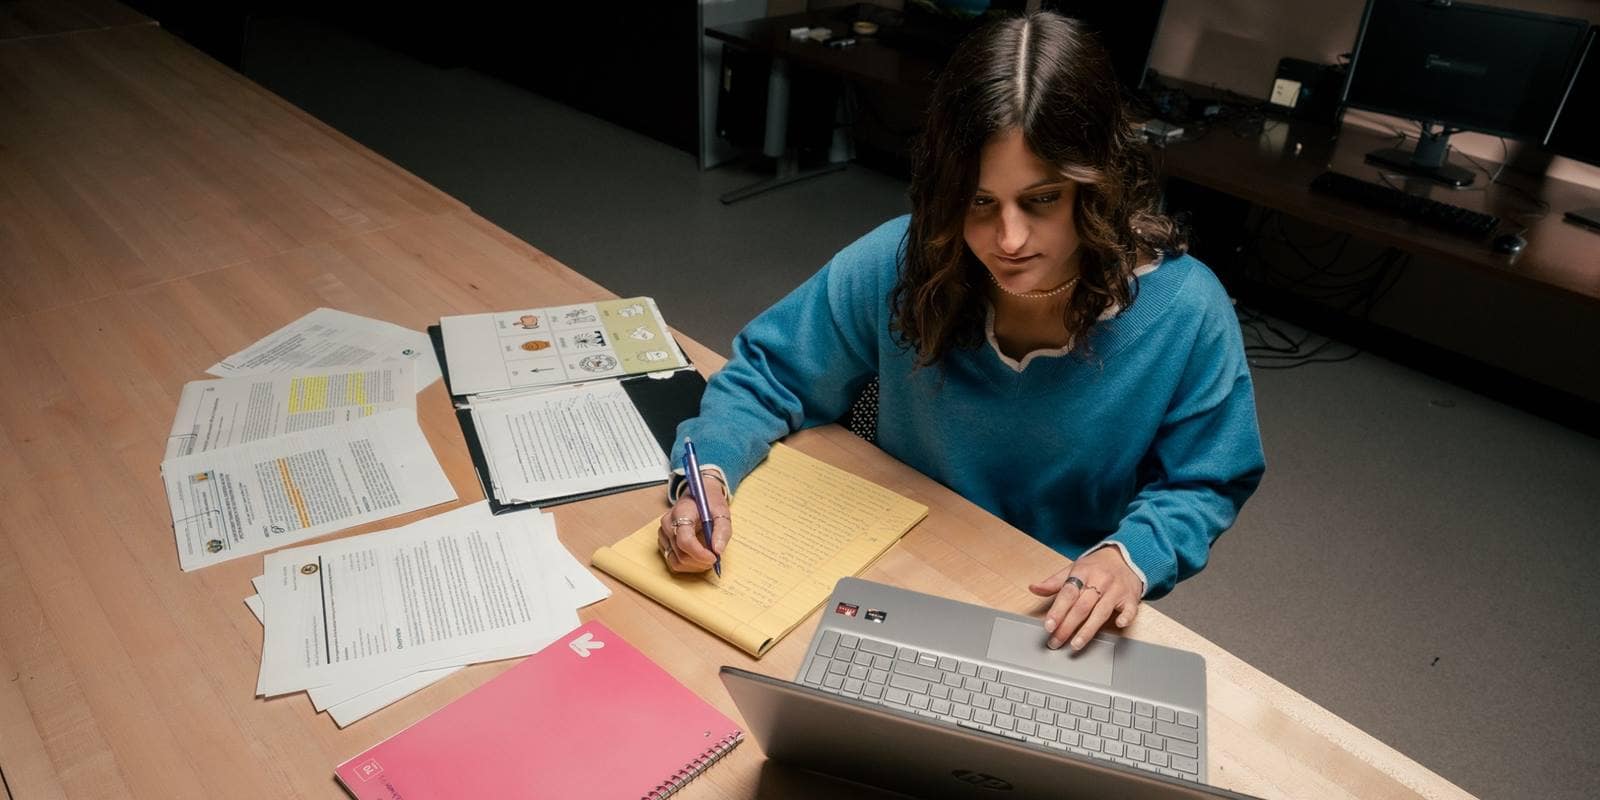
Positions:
(1042, 344)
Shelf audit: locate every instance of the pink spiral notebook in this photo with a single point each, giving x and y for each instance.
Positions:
(588, 716)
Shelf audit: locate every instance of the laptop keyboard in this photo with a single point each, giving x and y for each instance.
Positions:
(1016, 706)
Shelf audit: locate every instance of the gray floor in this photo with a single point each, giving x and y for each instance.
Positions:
(1418, 559)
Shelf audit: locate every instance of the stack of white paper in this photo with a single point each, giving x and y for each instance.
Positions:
(311, 430)
(328, 338)
(359, 623)
(214, 415)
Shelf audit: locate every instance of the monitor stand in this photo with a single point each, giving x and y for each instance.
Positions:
(1427, 160)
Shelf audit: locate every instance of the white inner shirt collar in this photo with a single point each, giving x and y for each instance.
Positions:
(1018, 366)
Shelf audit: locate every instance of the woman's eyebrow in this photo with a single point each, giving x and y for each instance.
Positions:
(1030, 187)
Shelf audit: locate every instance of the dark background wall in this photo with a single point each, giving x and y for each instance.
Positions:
(633, 63)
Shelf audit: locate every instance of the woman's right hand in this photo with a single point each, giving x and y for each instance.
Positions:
(681, 539)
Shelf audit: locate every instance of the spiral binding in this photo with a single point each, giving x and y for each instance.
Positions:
(693, 769)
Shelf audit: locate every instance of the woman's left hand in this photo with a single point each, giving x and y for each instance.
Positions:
(1095, 588)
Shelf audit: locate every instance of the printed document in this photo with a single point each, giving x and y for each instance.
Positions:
(566, 440)
(364, 703)
(222, 413)
(393, 602)
(328, 338)
(570, 587)
(564, 344)
(575, 587)
(272, 492)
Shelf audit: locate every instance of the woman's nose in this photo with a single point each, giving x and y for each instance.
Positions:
(1013, 233)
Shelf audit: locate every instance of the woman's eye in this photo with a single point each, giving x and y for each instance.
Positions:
(1045, 199)
(978, 202)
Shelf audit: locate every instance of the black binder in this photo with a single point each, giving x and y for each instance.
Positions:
(663, 402)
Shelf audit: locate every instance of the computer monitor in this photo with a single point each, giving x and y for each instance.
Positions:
(1455, 67)
(1127, 28)
(1576, 133)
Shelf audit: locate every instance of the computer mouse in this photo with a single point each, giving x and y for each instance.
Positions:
(1508, 243)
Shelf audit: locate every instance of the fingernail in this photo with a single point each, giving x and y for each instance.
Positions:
(1077, 644)
(1049, 623)
(1122, 622)
(1053, 644)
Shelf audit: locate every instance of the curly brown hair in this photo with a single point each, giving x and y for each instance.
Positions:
(1046, 76)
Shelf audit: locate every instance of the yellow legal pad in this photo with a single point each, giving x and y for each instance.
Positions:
(799, 525)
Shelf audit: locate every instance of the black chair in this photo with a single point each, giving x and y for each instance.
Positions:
(861, 418)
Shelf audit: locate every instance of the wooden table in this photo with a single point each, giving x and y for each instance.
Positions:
(158, 212)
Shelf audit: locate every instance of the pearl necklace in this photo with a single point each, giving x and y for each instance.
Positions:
(1036, 293)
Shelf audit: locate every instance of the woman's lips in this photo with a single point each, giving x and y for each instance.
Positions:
(1015, 262)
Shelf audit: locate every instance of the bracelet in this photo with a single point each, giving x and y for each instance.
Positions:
(716, 476)
(684, 486)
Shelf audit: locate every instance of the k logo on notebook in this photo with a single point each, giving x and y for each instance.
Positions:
(583, 644)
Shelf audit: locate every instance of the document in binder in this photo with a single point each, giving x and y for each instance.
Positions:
(589, 716)
(513, 478)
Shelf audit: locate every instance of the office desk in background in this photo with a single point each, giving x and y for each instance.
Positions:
(1266, 169)
(869, 66)
(1458, 290)
(158, 212)
(869, 60)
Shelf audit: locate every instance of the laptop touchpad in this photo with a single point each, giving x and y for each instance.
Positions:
(1023, 644)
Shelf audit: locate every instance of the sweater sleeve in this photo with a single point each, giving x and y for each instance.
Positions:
(1205, 461)
(800, 363)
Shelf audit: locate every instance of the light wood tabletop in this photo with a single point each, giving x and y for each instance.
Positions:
(158, 212)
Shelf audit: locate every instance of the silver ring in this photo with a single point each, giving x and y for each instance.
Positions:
(722, 516)
(666, 552)
(1075, 581)
(676, 521)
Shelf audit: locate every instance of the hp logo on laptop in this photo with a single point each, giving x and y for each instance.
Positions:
(981, 780)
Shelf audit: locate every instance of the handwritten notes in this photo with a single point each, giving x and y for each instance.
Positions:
(799, 526)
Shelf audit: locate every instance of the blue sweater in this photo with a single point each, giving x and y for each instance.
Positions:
(1150, 443)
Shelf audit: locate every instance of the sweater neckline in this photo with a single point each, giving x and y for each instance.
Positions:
(1049, 352)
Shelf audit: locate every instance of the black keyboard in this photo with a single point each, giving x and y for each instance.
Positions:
(1421, 210)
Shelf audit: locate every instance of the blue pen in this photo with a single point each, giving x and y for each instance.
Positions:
(697, 489)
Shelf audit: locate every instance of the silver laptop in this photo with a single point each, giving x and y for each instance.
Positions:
(938, 698)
